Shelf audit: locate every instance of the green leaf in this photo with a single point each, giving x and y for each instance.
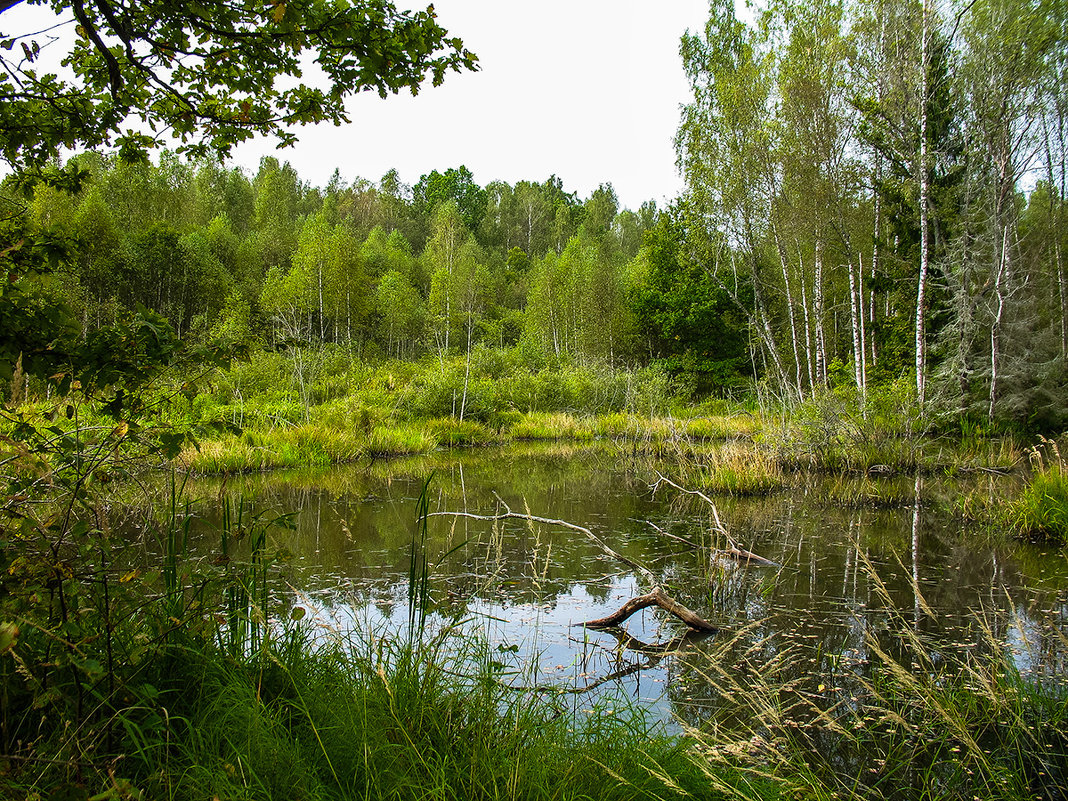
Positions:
(9, 634)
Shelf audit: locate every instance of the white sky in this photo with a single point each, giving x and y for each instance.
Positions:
(587, 89)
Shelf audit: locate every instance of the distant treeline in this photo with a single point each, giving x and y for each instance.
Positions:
(382, 268)
(875, 193)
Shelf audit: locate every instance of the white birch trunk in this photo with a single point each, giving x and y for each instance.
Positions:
(921, 284)
(856, 311)
(817, 310)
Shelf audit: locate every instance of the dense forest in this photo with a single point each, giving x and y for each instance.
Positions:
(381, 268)
(876, 190)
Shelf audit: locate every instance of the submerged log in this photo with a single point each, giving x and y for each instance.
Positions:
(657, 597)
(742, 555)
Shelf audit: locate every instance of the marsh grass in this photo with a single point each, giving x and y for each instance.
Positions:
(400, 440)
(735, 468)
(850, 491)
(553, 426)
(450, 432)
(373, 717)
(915, 722)
(310, 444)
(722, 426)
(1041, 511)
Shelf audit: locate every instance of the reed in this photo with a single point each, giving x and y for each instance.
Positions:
(1041, 510)
(552, 426)
(738, 469)
(451, 432)
(916, 722)
(400, 440)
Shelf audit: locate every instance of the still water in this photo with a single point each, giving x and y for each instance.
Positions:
(849, 575)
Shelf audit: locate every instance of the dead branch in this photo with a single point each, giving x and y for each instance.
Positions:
(656, 597)
(668, 534)
(509, 514)
(662, 479)
(742, 555)
(734, 551)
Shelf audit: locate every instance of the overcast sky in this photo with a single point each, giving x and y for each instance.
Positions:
(589, 90)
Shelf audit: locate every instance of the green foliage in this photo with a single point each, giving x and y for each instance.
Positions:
(224, 90)
(691, 322)
(457, 185)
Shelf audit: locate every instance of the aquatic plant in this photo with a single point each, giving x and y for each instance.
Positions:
(1041, 511)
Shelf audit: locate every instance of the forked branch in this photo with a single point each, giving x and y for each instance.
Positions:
(656, 597)
(734, 550)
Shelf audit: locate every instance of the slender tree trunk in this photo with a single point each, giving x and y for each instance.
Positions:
(925, 190)
(876, 238)
(863, 330)
(322, 316)
(856, 311)
(1056, 207)
(817, 309)
(808, 332)
(790, 311)
(995, 328)
(467, 367)
(758, 319)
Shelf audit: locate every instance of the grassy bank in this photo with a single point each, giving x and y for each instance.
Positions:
(329, 408)
(129, 669)
(245, 697)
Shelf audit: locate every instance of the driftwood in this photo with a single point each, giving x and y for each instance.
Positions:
(742, 555)
(734, 550)
(656, 597)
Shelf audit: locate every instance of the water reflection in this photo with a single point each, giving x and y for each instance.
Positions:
(851, 577)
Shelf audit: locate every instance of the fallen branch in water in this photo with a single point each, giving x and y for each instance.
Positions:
(655, 598)
(657, 595)
(734, 551)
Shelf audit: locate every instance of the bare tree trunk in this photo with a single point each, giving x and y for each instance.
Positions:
(855, 303)
(817, 309)
(757, 319)
(995, 328)
(925, 191)
(808, 331)
(322, 316)
(1056, 207)
(863, 331)
(793, 323)
(467, 367)
(877, 234)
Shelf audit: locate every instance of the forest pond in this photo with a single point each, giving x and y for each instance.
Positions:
(851, 574)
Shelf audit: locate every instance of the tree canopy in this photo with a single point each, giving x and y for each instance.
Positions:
(210, 74)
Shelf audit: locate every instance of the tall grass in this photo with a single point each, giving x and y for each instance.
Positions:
(914, 721)
(1041, 511)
